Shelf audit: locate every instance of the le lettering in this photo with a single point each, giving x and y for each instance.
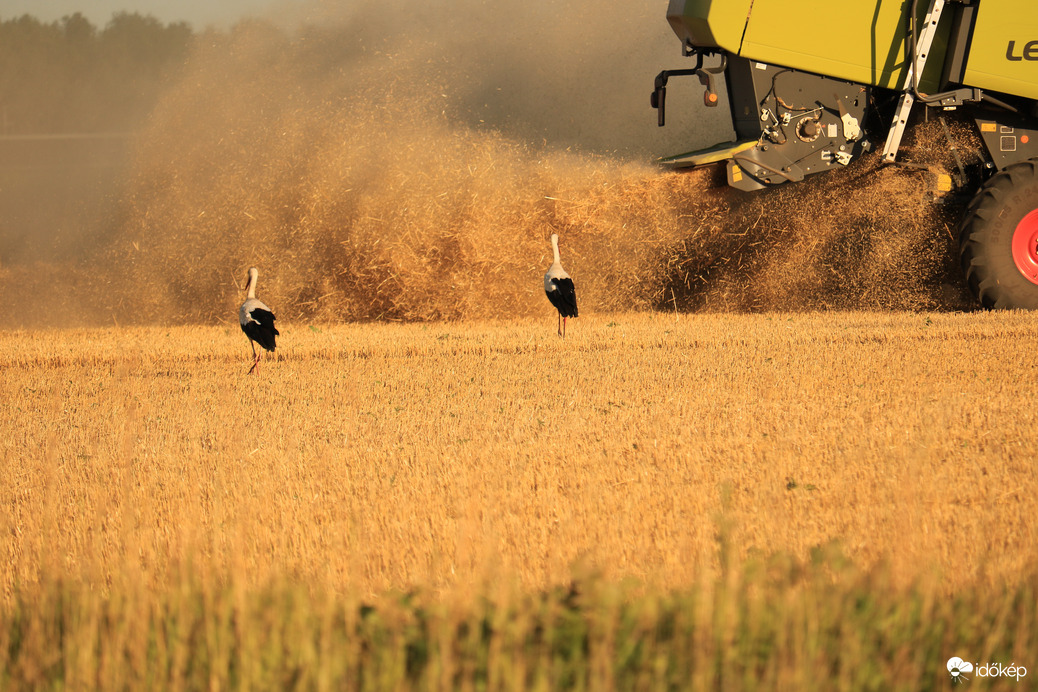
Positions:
(1028, 52)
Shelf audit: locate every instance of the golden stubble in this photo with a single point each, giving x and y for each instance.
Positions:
(374, 457)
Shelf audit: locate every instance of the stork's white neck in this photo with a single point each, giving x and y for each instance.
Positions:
(555, 248)
(253, 276)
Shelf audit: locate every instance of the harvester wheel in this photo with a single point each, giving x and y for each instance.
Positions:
(998, 239)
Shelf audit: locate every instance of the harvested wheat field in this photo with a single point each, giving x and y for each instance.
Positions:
(889, 455)
(778, 450)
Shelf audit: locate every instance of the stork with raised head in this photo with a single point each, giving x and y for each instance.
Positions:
(559, 287)
(257, 321)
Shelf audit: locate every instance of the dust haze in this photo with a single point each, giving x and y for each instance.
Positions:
(402, 162)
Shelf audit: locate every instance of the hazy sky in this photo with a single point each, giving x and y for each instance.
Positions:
(199, 13)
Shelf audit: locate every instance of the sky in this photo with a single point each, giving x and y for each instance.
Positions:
(199, 13)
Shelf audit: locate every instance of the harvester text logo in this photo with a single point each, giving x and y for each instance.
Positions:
(1028, 52)
(960, 670)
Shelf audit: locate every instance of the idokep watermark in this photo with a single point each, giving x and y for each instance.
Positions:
(961, 670)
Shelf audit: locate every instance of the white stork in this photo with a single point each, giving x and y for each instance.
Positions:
(257, 321)
(559, 288)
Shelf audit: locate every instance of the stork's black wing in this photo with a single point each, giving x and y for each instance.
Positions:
(261, 328)
(564, 297)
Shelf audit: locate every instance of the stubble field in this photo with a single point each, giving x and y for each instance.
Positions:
(818, 476)
(816, 459)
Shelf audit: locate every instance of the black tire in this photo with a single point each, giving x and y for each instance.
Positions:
(998, 239)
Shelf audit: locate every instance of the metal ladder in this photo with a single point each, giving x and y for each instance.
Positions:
(904, 106)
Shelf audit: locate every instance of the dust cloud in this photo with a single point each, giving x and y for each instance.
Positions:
(402, 162)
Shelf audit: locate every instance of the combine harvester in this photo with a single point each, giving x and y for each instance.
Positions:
(804, 78)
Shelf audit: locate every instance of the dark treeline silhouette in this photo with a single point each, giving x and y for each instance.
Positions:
(69, 76)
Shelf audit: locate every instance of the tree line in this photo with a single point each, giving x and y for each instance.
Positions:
(70, 76)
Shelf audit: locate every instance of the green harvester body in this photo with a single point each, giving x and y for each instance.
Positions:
(813, 84)
(865, 41)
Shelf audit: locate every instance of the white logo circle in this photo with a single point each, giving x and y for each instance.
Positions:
(957, 667)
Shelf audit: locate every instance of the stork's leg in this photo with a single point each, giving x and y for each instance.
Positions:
(560, 324)
(255, 357)
(564, 327)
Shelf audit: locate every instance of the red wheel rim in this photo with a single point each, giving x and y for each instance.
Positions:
(1025, 246)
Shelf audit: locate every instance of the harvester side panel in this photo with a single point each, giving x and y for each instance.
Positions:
(709, 23)
(1003, 52)
(860, 42)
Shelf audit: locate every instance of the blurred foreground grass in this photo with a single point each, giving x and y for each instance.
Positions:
(771, 623)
